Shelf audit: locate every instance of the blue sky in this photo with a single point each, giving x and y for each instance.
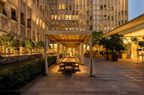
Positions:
(136, 8)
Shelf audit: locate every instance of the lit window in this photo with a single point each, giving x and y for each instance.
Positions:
(61, 6)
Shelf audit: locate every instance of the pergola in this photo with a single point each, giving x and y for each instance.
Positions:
(69, 39)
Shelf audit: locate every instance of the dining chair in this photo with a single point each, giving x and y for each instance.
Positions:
(76, 65)
(68, 67)
(61, 65)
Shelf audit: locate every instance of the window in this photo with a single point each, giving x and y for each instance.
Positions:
(101, 7)
(29, 23)
(91, 17)
(61, 6)
(13, 14)
(91, 27)
(2, 8)
(22, 19)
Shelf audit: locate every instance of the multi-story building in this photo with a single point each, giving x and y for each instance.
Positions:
(88, 15)
(69, 14)
(29, 18)
(32, 18)
(108, 14)
(24, 18)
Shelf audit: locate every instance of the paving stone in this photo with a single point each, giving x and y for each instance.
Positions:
(112, 78)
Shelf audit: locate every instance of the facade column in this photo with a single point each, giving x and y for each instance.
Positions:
(45, 55)
(58, 51)
(81, 53)
(91, 67)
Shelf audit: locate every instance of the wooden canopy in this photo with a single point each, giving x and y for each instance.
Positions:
(68, 38)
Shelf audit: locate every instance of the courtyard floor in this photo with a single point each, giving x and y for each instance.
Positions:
(124, 77)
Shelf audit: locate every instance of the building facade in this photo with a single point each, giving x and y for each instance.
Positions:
(30, 18)
(133, 32)
(88, 15)
(108, 14)
(24, 18)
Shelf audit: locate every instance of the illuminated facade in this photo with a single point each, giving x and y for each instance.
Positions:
(134, 33)
(30, 18)
(87, 15)
(24, 18)
(69, 14)
(108, 14)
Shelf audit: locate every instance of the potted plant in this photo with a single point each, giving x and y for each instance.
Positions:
(114, 44)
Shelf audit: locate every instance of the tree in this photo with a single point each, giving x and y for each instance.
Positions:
(29, 44)
(96, 37)
(39, 45)
(15, 44)
(7, 40)
(114, 43)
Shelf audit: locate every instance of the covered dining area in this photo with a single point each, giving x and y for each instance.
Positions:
(69, 47)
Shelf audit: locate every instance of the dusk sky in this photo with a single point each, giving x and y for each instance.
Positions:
(136, 8)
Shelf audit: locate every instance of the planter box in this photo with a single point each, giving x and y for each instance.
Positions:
(123, 55)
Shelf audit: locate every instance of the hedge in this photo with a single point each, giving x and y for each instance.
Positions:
(51, 60)
(15, 77)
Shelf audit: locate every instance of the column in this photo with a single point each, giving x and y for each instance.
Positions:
(58, 51)
(45, 55)
(91, 67)
(81, 53)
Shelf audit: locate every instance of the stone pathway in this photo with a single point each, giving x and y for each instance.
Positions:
(112, 78)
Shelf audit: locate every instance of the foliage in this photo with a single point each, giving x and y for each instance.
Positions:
(105, 42)
(7, 40)
(39, 44)
(134, 39)
(29, 44)
(22, 43)
(51, 60)
(14, 77)
(96, 37)
(113, 43)
(19, 74)
(87, 53)
(15, 44)
(1, 57)
(141, 44)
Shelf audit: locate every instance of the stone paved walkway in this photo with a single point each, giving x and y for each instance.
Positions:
(112, 78)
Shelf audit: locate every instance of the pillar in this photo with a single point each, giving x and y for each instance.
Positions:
(91, 67)
(45, 55)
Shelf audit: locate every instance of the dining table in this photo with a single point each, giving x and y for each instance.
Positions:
(69, 62)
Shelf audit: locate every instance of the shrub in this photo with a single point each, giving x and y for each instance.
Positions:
(14, 77)
(51, 60)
